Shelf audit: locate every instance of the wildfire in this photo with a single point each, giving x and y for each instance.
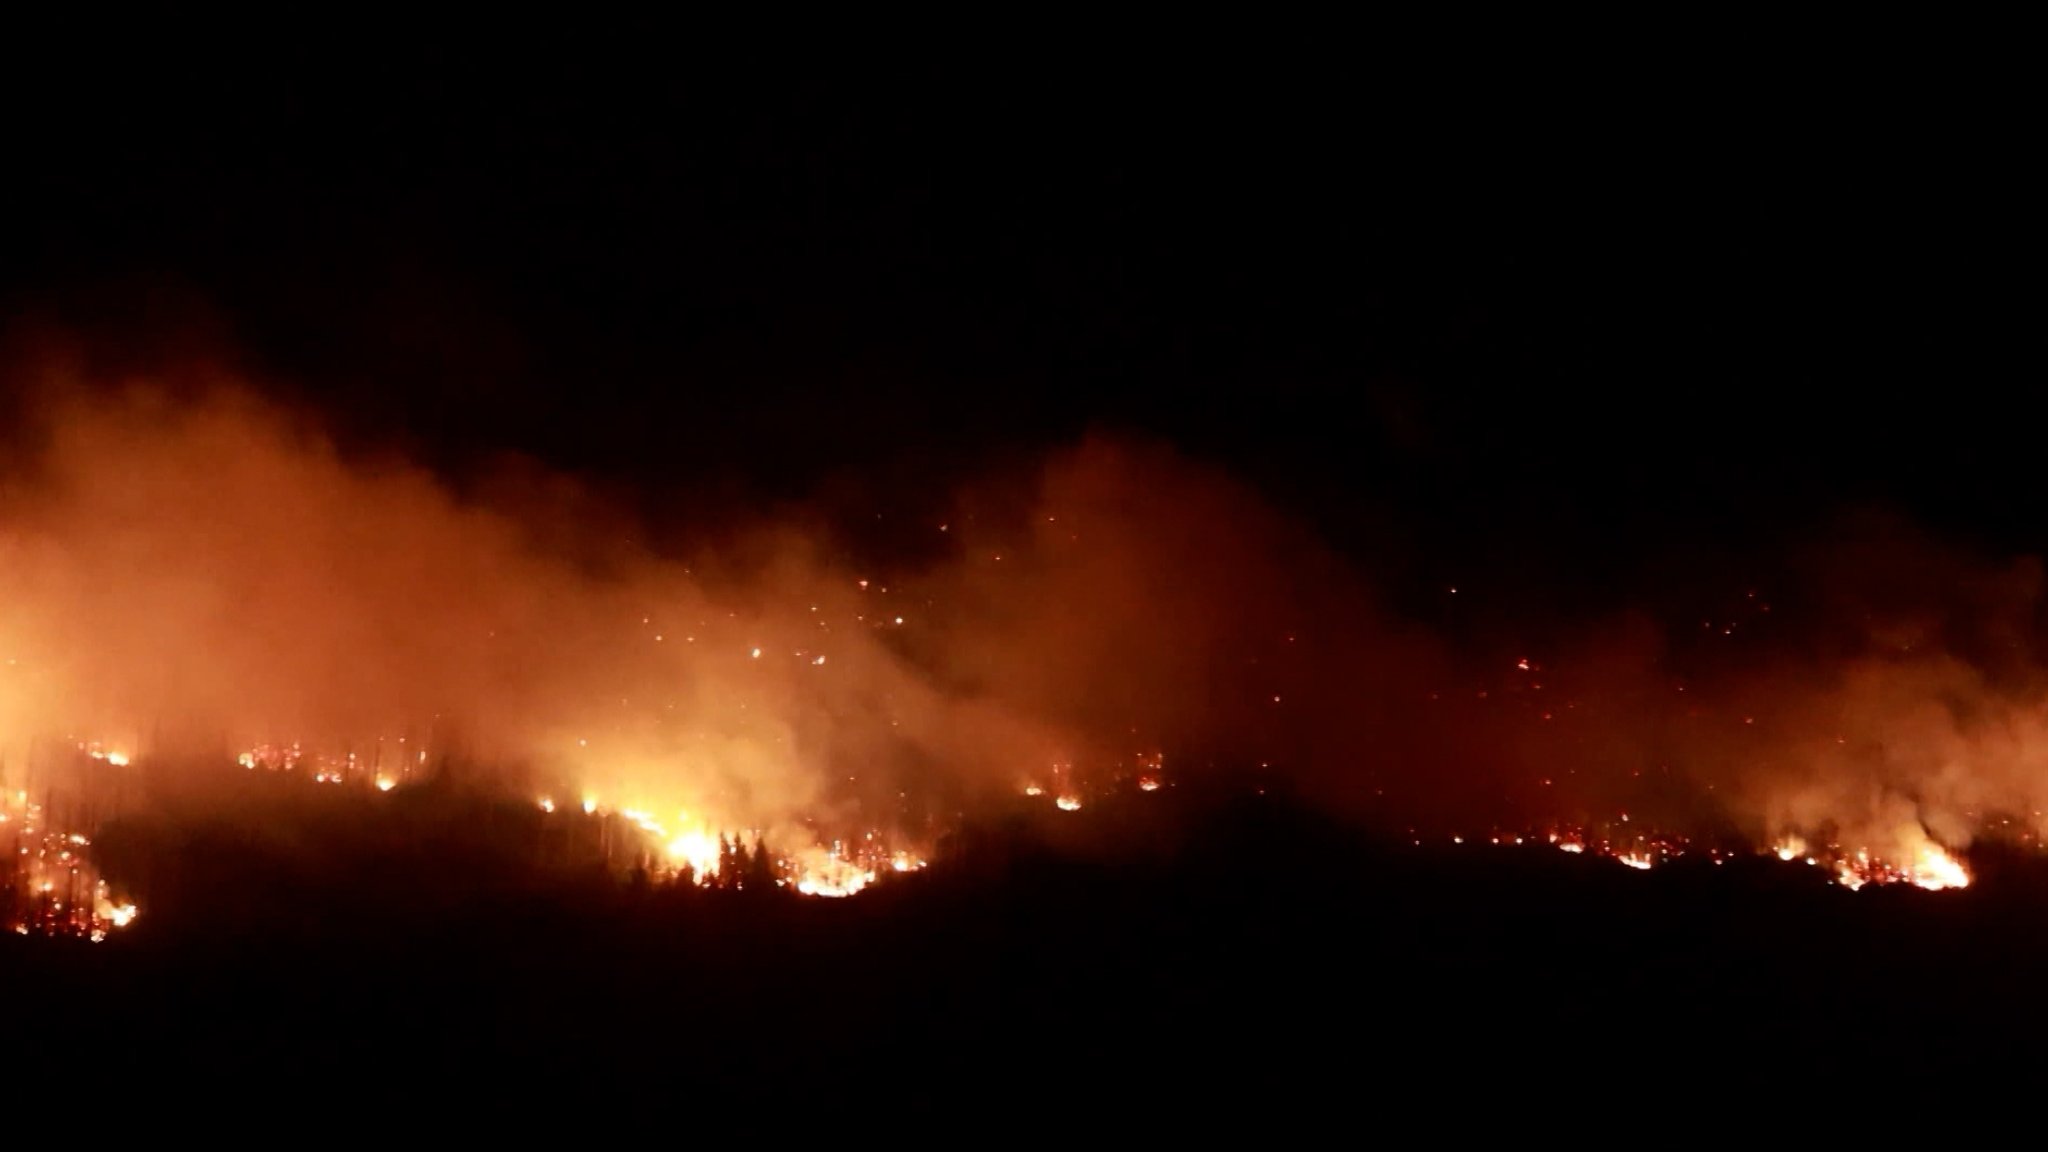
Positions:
(833, 882)
(698, 851)
(1936, 870)
(51, 887)
(58, 893)
(1074, 786)
(835, 872)
(1930, 866)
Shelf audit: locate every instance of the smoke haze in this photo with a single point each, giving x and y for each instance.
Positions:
(197, 567)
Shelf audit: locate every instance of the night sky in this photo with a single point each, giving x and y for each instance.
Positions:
(1552, 324)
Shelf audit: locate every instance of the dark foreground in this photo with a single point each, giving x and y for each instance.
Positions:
(1275, 963)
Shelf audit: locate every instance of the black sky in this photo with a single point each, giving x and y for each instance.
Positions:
(1554, 318)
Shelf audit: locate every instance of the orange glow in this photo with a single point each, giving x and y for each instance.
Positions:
(1930, 866)
(1936, 870)
(54, 864)
(699, 851)
(239, 587)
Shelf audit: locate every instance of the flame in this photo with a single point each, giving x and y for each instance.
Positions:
(829, 874)
(1928, 865)
(68, 898)
(1936, 870)
(699, 851)
(1069, 803)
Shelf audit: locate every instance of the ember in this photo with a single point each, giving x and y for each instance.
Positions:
(51, 886)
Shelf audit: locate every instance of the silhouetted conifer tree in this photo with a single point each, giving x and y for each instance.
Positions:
(761, 867)
(730, 864)
(742, 865)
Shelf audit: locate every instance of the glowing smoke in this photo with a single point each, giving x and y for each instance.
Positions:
(212, 571)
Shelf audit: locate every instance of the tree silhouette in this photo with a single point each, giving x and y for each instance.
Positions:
(739, 865)
(730, 862)
(761, 867)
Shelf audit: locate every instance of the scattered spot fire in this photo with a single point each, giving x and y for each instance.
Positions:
(51, 887)
(1922, 862)
(1072, 786)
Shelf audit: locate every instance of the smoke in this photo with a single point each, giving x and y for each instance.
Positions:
(1868, 687)
(196, 568)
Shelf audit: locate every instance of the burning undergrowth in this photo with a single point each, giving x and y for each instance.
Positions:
(200, 582)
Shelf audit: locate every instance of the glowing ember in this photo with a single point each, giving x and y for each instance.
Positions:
(1069, 803)
(50, 887)
(1148, 784)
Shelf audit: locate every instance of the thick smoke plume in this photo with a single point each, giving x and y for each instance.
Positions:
(188, 571)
